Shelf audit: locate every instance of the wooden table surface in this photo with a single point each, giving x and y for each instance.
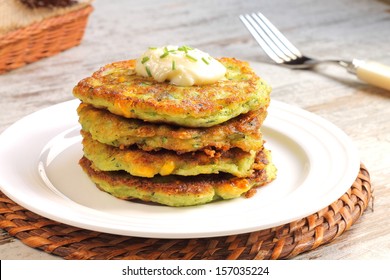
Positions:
(347, 29)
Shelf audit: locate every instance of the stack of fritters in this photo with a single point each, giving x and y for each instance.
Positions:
(173, 145)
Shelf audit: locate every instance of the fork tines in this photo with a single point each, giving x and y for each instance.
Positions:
(273, 42)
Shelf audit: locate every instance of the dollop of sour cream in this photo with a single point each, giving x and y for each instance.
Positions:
(182, 66)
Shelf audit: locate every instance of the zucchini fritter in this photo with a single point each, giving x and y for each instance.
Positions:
(117, 88)
(241, 132)
(181, 190)
(174, 145)
(148, 164)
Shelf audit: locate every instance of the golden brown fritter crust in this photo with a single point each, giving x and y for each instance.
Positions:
(164, 162)
(241, 132)
(180, 190)
(117, 88)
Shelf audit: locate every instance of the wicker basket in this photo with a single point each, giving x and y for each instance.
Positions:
(42, 39)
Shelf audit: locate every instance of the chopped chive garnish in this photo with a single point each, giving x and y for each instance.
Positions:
(173, 65)
(185, 49)
(164, 54)
(152, 48)
(205, 61)
(145, 59)
(191, 58)
(148, 71)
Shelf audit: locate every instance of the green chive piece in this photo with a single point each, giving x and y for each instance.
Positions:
(173, 65)
(145, 59)
(205, 61)
(191, 58)
(164, 54)
(148, 71)
(152, 48)
(184, 49)
(188, 48)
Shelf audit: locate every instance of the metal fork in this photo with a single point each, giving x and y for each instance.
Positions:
(283, 52)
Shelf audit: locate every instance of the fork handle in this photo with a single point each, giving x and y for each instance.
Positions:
(373, 73)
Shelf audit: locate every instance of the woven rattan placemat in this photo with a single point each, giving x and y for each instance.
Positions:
(280, 242)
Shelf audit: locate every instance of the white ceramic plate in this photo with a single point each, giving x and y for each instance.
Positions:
(39, 156)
